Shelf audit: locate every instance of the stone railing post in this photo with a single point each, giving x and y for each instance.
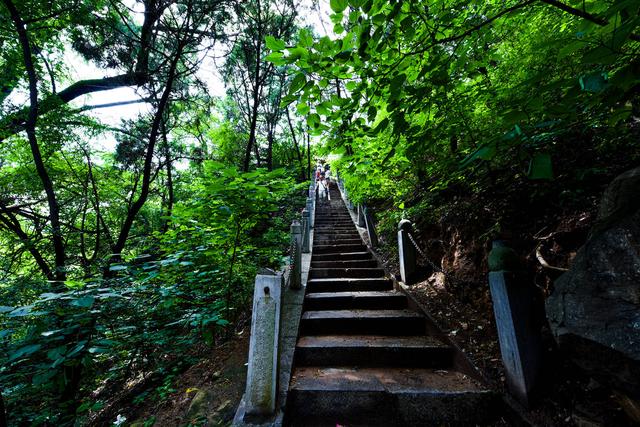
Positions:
(262, 373)
(520, 342)
(295, 281)
(406, 252)
(371, 227)
(360, 215)
(306, 231)
(310, 209)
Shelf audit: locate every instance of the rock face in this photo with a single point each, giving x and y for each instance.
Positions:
(594, 311)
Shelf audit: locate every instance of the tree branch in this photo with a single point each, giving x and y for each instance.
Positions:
(16, 123)
(584, 15)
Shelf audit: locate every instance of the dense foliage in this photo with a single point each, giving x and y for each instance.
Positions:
(127, 245)
(422, 98)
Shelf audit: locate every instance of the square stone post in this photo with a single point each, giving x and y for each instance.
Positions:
(262, 373)
(371, 228)
(306, 232)
(520, 341)
(361, 221)
(406, 252)
(295, 281)
(310, 209)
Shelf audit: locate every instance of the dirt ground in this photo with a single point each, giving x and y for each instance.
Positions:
(566, 397)
(206, 394)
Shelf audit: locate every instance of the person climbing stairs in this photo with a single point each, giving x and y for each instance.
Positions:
(364, 356)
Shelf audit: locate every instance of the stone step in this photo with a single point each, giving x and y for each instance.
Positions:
(351, 234)
(324, 273)
(341, 256)
(369, 322)
(333, 222)
(373, 351)
(349, 284)
(390, 300)
(345, 264)
(387, 397)
(341, 229)
(329, 249)
(324, 240)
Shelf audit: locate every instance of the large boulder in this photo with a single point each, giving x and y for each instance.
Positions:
(594, 311)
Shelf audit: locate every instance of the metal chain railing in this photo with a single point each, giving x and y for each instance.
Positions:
(293, 247)
(451, 278)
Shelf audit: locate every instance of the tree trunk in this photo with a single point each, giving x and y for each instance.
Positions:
(30, 127)
(148, 163)
(3, 415)
(270, 149)
(295, 143)
(169, 168)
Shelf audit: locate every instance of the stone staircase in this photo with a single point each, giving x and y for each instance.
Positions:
(364, 357)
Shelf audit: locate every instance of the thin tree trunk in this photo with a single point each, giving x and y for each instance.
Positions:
(270, 149)
(296, 145)
(169, 167)
(148, 163)
(30, 127)
(3, 416)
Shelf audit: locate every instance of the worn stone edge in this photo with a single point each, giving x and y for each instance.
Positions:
(284, 368)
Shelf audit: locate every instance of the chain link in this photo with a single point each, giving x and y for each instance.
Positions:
(433, 265)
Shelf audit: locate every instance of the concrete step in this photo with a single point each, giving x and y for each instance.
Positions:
(345, 264)
(351, 234)
(336, 229)
(329, 249)
(323, 240)
(373, 351)
(341, 256)
(390, 300)
(333, 222)
(387, 397)
(324, 273)
(366, 322)
(331, 217)
(349, 284)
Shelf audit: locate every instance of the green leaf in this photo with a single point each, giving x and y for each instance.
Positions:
(276, 58)
(57, 352)
(313, 120)
(338, 6)
(303, 109)
(297, 83)
(486, 152)
(43, 377)
(323, 108)
(540, 167)
(84, 302)
(274, 44)
(594, 82)
(77, 349)
(297, 53)
(395, 87)
(24, 351)
(306, 40)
